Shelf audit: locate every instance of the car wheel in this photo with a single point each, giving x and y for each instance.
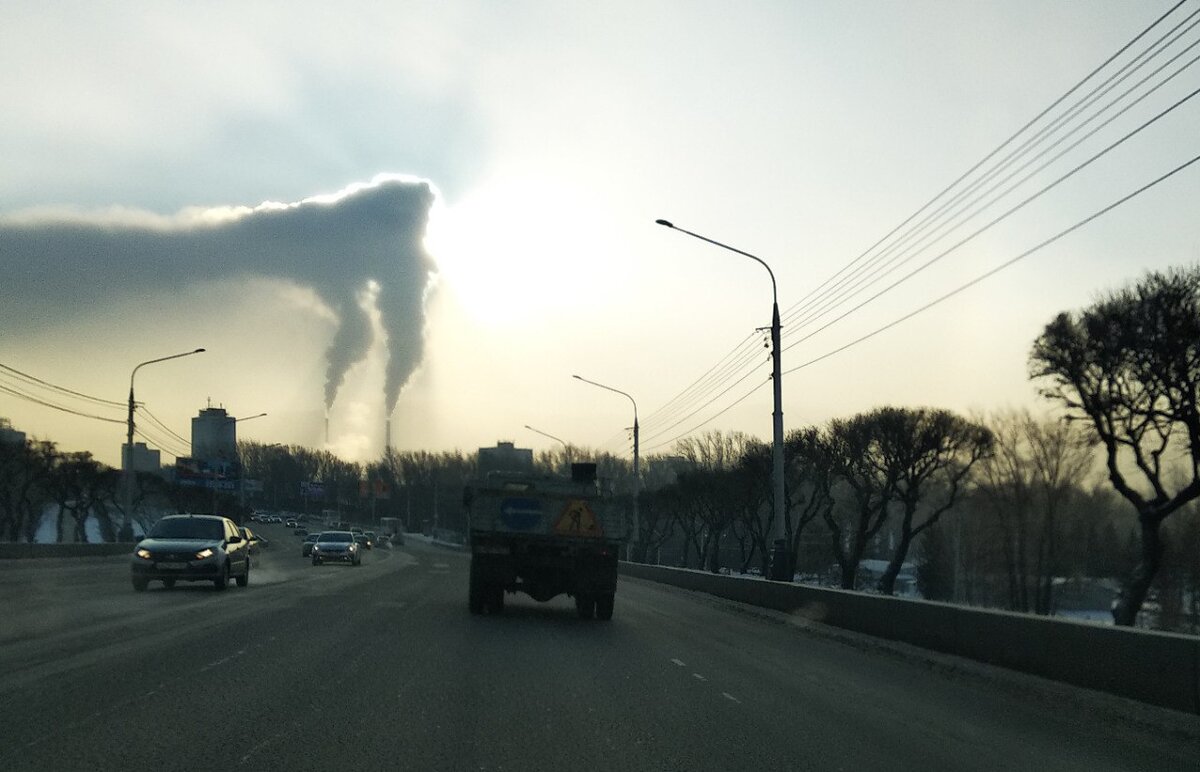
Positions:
(222, 581)
(316, 562)
(140, 584)
(244, 579)
(168, 583)
(585, 605)
(604, 606)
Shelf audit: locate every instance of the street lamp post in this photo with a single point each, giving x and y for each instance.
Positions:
(637, 480)
(129, 471)
(241, 474)
(566, 447)
(779, 531)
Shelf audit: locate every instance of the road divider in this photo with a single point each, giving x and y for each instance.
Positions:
(1152, 667)
(9, 550)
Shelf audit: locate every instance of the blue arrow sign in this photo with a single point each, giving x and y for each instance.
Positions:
(521, 514)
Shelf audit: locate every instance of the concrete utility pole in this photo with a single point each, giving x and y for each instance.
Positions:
(637, 478)
(778, 530)
(129, 473)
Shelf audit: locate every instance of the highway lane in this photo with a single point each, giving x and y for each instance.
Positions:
(381, 667)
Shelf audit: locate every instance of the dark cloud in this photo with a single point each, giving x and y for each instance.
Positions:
(336, 245)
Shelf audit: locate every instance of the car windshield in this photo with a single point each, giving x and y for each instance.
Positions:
(335, 536)
(188, 528)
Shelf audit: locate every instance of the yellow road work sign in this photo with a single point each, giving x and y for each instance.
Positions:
(578, 519)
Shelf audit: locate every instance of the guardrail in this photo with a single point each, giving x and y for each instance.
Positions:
(64, 550)
(1156, 668)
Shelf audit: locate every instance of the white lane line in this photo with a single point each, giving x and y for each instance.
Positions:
(699, 677)
(731, 698)
(679, 662)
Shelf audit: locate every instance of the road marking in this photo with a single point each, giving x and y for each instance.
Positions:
(699, 677)
(678, 662)
(730, 697)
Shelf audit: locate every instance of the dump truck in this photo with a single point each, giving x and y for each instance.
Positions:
(545, 536)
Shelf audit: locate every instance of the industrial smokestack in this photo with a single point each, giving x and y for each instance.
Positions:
(327, 427)
(387, 435)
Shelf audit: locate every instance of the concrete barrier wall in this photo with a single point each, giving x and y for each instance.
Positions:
(17, 550)
(1152, 667)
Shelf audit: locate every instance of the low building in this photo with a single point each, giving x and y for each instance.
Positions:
(505, 457)
(9, 435)
(144, 459)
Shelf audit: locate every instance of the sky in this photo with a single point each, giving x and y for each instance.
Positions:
(449, 208)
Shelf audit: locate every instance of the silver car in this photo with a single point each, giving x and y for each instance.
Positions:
(192, 548)
(336, 547)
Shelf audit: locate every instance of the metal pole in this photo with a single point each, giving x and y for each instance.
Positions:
(779, 508)
(128, 473)
(637, 481)
(566, 447)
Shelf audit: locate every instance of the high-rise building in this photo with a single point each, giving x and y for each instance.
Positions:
(214, 436)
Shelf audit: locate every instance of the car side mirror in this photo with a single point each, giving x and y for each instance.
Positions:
(234, 540)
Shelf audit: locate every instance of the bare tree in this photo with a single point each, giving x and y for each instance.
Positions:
(853, 447)
(1036, 468)
(928, 455)
(1130, 366)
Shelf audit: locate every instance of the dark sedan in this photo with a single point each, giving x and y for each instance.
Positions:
(192, 548)
(336, 547)
(307, 545)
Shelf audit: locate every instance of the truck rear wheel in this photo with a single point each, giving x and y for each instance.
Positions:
(604, 606)
(475, 600)
(496, 600)
(585, 605)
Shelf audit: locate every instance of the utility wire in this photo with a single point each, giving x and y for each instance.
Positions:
(36, 400)
(163, 426)
(797, 307)
(29, 378)
(998, 268)
(839, 293)
(998, 219)
(711, 418)
(1029, 124)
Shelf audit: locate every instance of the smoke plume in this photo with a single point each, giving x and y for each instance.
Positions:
(366, 240)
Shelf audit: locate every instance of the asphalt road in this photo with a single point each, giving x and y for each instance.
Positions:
(381, 667)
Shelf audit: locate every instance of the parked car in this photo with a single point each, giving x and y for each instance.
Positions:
(307, 545)
(336, 547)
(191, 548)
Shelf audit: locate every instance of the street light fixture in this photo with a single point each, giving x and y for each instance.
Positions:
(779, 530)
(637, 481)
(129, 473)
(566, 447)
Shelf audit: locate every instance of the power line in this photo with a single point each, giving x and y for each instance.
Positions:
(162, 425)
(998, 219)
(713, 417)
(701, 387)
(1000, 267)
(843, 292)
(38, 381)
(36, 400)
(1029, 124)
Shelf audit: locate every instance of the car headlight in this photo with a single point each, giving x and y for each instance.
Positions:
(315, 548)
(144, 554)
(204, 553)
